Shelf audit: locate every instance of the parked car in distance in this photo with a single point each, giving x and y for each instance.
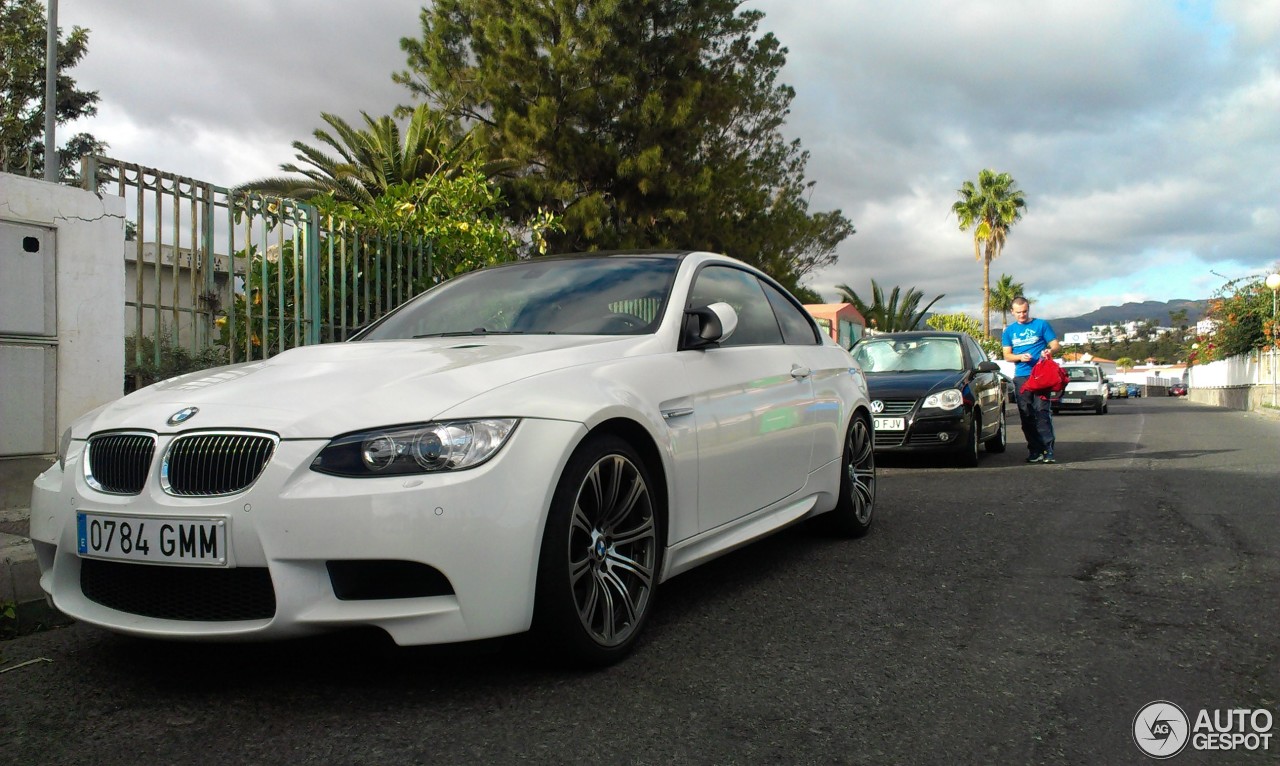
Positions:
(1086, 389)
(1135, 391)
(1177, 389)
(1117, 390)
(530, 447)
(933, 391)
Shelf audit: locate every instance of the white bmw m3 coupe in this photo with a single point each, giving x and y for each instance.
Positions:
(530, 447)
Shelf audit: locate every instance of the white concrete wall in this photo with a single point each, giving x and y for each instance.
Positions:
(88, 232)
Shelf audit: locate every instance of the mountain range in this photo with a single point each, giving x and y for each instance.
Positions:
(1132, 312)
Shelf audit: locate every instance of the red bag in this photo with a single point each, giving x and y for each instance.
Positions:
(1047, 376)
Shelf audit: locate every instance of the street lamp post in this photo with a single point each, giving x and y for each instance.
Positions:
(1273, 282)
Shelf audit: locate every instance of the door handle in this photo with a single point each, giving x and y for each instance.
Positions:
(798, 372)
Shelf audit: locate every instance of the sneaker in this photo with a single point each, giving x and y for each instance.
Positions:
(1047, 458)
(1037, 458)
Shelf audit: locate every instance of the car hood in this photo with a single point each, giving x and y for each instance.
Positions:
(321, 391)
(911, 385)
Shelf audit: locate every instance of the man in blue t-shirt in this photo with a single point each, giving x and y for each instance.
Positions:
(1026, 342)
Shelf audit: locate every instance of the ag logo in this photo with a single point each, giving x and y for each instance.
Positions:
(877, 406)
(182, 416)
(1160, 729)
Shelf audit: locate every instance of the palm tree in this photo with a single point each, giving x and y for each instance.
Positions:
(371, 160)
(895, 315)
(1124, 364)
(989, 208)
(1003, 294)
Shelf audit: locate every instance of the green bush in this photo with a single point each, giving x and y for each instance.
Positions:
(174, 360)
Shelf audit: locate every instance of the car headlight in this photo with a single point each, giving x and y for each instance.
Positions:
(450, 445)
(944, 400)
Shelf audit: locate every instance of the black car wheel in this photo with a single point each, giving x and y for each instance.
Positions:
(601, 554)
(855, 508)
(997, 443)
(968, 457)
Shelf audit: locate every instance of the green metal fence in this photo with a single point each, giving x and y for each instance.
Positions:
(229, 276)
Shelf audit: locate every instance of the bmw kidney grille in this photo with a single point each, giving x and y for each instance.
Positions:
(218, 463)
(202, 464)
(117, 463)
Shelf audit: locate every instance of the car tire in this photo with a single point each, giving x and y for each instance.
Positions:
(996, 444)
(601, 555)
(855, 508)
(968, 456)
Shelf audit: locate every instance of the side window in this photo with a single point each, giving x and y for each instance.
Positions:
(796, 329)
(756, 323)
(975, 352)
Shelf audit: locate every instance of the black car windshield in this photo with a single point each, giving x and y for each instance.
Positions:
(909, 355)
(617, 295)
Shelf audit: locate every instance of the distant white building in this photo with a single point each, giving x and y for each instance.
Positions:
(1106, 332)
(1206, 327)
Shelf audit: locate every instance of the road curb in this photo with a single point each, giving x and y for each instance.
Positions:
(20, 580)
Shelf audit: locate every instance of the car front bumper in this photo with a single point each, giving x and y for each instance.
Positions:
(312, 536)
(1077, 401)
(941, 432)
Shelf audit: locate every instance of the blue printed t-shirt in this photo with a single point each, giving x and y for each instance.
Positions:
(1030, 338)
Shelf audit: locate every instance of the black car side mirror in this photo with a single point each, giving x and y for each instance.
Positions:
(988, 366)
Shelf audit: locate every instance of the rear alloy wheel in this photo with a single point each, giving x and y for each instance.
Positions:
(855, 509)
(968, 456)
(997, 443)
(600, 557)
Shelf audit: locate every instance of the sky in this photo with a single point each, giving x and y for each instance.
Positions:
(1144, 133)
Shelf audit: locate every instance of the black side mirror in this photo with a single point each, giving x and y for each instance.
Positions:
(988, 366)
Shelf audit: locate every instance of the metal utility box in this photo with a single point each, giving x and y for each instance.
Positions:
(28, 340)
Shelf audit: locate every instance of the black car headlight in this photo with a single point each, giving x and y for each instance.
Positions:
(450, 445)
(944, 400)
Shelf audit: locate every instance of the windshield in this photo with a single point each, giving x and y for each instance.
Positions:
(1082, 373)
(909, 355)
(569, 296)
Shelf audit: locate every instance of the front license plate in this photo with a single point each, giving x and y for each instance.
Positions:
(1070, 401)
(889, 424)
(155, 539)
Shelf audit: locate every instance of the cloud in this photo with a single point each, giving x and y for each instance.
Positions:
(1144, 132)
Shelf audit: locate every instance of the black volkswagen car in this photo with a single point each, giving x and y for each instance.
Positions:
(933, 391)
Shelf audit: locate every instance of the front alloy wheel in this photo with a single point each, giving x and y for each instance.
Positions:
(854, 510)
(600, 555)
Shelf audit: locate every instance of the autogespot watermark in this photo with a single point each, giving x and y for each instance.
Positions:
(1161, 729)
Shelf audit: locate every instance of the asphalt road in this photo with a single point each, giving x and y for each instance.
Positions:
(1007, 614)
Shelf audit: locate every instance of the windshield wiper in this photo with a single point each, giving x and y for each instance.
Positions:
(468, 333)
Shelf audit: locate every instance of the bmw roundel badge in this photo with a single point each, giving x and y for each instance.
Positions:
(183, 415)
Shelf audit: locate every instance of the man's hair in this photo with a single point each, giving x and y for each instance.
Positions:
(1018, 301)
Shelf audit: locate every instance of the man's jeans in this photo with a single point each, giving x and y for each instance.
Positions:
(1037, 419)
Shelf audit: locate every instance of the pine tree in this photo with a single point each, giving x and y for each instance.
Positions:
(645, 123)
